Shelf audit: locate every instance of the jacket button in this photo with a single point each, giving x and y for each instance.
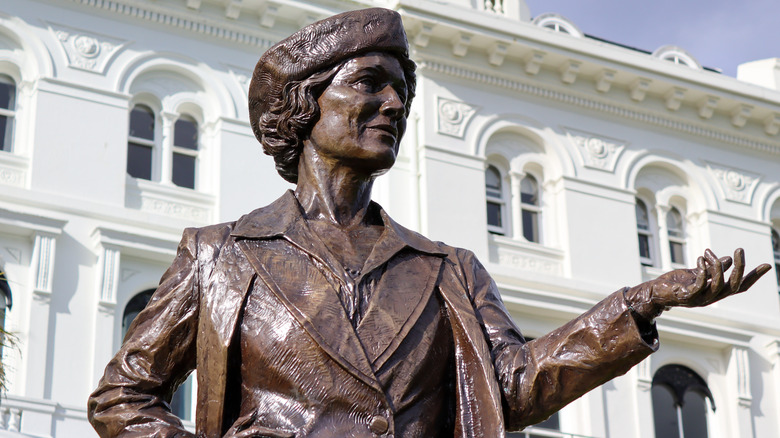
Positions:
(379, 425)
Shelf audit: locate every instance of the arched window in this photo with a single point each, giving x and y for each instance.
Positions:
(776, 251)
(140, 142)
(674, 228)
(181, 402)
(185, 152)
(496, 203)
(679, 403)
(531, 208)
(644, 233)
(7, 112)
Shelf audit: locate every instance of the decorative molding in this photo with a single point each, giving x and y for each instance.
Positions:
(107, 309)
(183, 20)
(604, 80)
(497, 53)
(742, 374)
(453, 116)
(423, 36)
(15, 253)
(643, 116)
(707, 106)
(597, 152)
(43, 261)
(175, 209)
(109, 281)
(639, 88)
(674, 98)
(644, 375)
(268, 18)
(740, 114)
(87, 50)
(12, 177)
(569, 71)
(772, 124)
(533, 61)
(529, 263)
(460, 44)
(737, 185)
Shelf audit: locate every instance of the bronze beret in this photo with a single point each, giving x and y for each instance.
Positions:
(318, 46)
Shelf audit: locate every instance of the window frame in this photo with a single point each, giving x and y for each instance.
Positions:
(650, 233)
(533, 209)
(164, 147)
(185, 151)
(10, 114)
(678, 238)
(679, 380)
(501, 200)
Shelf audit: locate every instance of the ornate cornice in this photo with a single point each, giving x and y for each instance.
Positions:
(191, 21)
(593, 104)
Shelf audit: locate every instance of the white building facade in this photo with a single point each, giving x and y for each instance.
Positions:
(570, 165)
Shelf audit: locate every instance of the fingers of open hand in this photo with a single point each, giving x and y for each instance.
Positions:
(735, 279)
(715, 271)
(701, 276)
(753, 276)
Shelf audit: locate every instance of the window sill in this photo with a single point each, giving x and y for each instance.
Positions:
(525, 256)
(169, 200)
(13, 169)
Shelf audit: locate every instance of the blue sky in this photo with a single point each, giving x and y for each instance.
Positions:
(718, 33)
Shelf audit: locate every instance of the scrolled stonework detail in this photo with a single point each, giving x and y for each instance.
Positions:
(737, 185)
(175, 209)
(11, 177)
(86, 50)
(453, 116)
(597, 152)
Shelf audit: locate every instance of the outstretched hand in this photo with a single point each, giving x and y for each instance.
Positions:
(697, 287)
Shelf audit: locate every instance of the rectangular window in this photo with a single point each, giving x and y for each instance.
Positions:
(676, 251)
(139, 161)
(7, 107)
(531, 225)
(183, 174)
(644, 249)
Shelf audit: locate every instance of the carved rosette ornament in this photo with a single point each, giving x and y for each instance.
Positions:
(87, 50)
(453, 116)
(597, 152)
(737, 185)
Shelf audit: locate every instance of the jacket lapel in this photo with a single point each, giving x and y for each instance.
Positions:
(396, 304)
(303, 289)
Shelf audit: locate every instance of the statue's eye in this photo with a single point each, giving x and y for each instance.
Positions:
(367, 83)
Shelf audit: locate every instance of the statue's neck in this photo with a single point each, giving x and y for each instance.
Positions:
(329, 190)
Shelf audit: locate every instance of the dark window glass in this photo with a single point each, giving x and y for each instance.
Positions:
(7, 93)
(642, 219)
(529, 191)
(142, 122)
(679, 403)
(139, 161)
(493, 182)
(531, 226)
(664, 413)
(6, 132)
(644, 246)
(494, 214)
(185, 133)
(694, 414)
(676, 250)
(180, 402)
(8, 105)
(674, 223)
(183, 174)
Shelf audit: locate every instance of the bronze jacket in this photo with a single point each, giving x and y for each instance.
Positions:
(316, 361)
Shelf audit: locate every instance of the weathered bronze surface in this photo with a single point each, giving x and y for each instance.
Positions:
(318, 315)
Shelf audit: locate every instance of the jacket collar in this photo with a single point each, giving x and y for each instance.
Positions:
(283, 218)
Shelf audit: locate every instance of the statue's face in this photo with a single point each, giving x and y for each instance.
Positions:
(362, 114)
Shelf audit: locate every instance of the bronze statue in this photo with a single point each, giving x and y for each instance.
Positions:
(318, 315)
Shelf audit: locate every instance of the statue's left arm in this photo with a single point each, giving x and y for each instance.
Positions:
(540, 377)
